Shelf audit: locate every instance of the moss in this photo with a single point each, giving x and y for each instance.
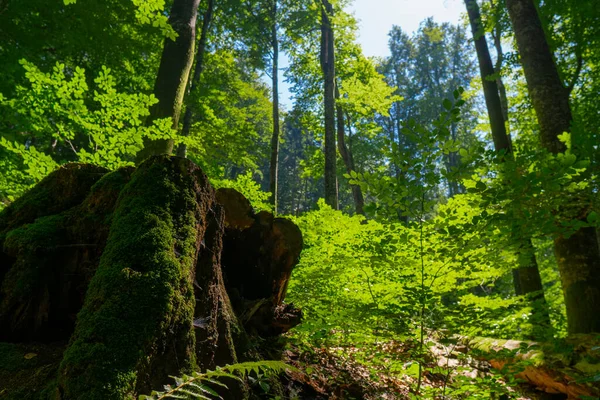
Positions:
(27, 372)
(59, 191)
(91, 220)
(53, 260)
(62, 189)
(11, 358)
(45, 233)
(25, 286)
(136, 324)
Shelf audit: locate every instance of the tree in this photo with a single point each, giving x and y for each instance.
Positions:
(328, 70)
(427, 68)
(173, 73)
(577, 253)
(526, 276)
(274, 166)
(198, 68)
(490, 88)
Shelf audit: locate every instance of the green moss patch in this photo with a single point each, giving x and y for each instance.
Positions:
(136, 324)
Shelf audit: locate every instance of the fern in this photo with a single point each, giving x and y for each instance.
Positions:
(196, 385)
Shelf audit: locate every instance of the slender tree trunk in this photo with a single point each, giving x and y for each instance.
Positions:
(499, 82)
(490, 88)
(175, 64)
(578, 255)
(497, 37)
(346, 153)
(328, 68)
(275, 138)
(396, 123)
(526, 277)
(189, 111)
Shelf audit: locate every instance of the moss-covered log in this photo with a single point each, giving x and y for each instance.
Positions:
(126, 267)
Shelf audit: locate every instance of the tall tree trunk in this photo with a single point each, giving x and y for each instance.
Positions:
(499, 82)
(200, 51)
(175, 64)
(490, 89)
(497, 37)
(526, 277)
(275, 138)
(397, 124)
(346, 153)
(328, 68)
(578, 255)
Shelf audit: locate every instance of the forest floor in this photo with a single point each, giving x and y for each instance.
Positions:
(322, 373)
(335, 373)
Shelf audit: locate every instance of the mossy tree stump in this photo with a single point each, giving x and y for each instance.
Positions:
(126, 267)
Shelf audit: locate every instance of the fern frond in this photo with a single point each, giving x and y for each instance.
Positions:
(195, 386)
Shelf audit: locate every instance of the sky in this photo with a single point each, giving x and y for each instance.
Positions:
(376, 18)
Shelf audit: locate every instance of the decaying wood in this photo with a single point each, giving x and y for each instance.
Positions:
(145, 273)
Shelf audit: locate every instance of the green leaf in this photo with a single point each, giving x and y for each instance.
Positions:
(447, 104)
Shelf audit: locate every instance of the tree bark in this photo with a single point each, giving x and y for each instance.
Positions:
(490, 88)
(173, 72)
(193, 87)
(549, 97)
(276, 126)
(346, 153)
(499, 82)
(578, 255)
(328, 69)
(526, 277)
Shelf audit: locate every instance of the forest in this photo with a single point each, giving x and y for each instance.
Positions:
(424, 225)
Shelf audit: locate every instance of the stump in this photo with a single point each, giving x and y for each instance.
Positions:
(138, 275)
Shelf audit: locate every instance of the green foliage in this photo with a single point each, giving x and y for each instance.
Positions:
(247, 186)
(447, 216)
(447, 269)
(200, 385)
(233, 116)
(153, 12)
(58, 118)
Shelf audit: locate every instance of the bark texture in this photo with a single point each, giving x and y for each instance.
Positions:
(526, 277)
(328, 69)
(549, 97)
(195, 81)
(273, 169)
(346, 153)
(173, 73)
(490, 88)
(137, 270)
(578, 255)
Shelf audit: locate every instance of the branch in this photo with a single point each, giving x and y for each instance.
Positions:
(571, 85)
